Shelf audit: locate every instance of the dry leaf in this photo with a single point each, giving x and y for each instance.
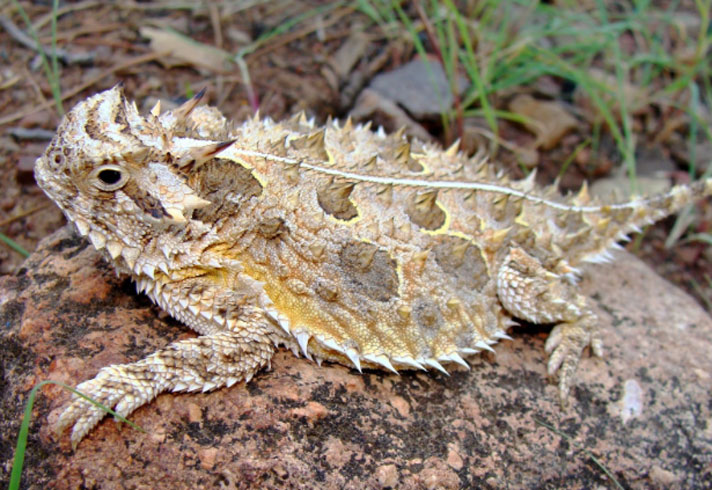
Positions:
(185, 51)
(350, 52)
(548, 120)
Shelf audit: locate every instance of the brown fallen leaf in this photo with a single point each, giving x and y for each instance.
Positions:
(350, 52)
(548, 120)
(185, 51)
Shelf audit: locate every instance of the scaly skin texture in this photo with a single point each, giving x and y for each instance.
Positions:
(342, 244)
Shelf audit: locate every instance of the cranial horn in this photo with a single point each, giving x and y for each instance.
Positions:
(184, 110)
(197, 156)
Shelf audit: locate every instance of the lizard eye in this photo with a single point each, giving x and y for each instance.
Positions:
(109, 177)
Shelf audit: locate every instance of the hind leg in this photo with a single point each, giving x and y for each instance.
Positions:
(529, 291)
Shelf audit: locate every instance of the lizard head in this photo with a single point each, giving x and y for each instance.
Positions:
(121, 177)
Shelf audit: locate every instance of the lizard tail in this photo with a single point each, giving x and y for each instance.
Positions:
(609, 224)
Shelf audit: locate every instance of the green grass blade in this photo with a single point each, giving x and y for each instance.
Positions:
(21, 446)
(596, 461)
(14, 245)
(51, 72)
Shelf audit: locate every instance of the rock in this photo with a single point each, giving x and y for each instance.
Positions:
(643, 410)
(372, 106)
(420, 88)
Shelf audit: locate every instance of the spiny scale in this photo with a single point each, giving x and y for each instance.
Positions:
(336, 242)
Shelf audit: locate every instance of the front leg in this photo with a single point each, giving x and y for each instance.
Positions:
(528, 291)
(201, 364)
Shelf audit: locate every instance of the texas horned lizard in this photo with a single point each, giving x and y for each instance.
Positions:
(337, 242)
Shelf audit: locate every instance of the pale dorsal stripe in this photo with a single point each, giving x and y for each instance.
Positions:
(439, 184)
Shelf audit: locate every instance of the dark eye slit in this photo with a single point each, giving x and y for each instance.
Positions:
(110, 176)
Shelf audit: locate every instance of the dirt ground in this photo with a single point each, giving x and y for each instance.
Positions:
(318, 57)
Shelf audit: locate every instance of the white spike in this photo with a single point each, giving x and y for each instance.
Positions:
(163, 266)
(149, 270)
(530, 181)
(97, 239)
(318, 360)
(176, 215)
(382, 360)
(207, 314)
(209, 386)
(455, 357)
(166, 251)
(483, 346)
(183, 302)
(502, 335)
(194, 309)
(180, 386)
(303, 340)
(114, 248)
(354, 358)
(82, 226)
(191, 201)
(572, 278)
(156, 110)
(284, 323)
(130, 255)
(231, 381)
(409, 361)
(435, 364)
(331, 344)
(453, 149)
(381, 133)
(468, 350)
(600, 258)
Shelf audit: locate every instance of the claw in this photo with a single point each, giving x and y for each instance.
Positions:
(565, 345)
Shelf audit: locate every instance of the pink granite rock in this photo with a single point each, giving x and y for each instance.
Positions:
(643, 411)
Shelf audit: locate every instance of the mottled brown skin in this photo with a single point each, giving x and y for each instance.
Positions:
(336, 242)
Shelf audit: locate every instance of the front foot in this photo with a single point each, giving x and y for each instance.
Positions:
(565, 345)
(198, 364)
(118, 387)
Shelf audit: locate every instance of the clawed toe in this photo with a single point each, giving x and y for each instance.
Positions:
(565, 346)
(105, 392)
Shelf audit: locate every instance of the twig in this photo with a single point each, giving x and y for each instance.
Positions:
(262, 50)
(67, 9)
(34, 134)
(73, 35)
(19, 35)
(23, 214)
(71, 93)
